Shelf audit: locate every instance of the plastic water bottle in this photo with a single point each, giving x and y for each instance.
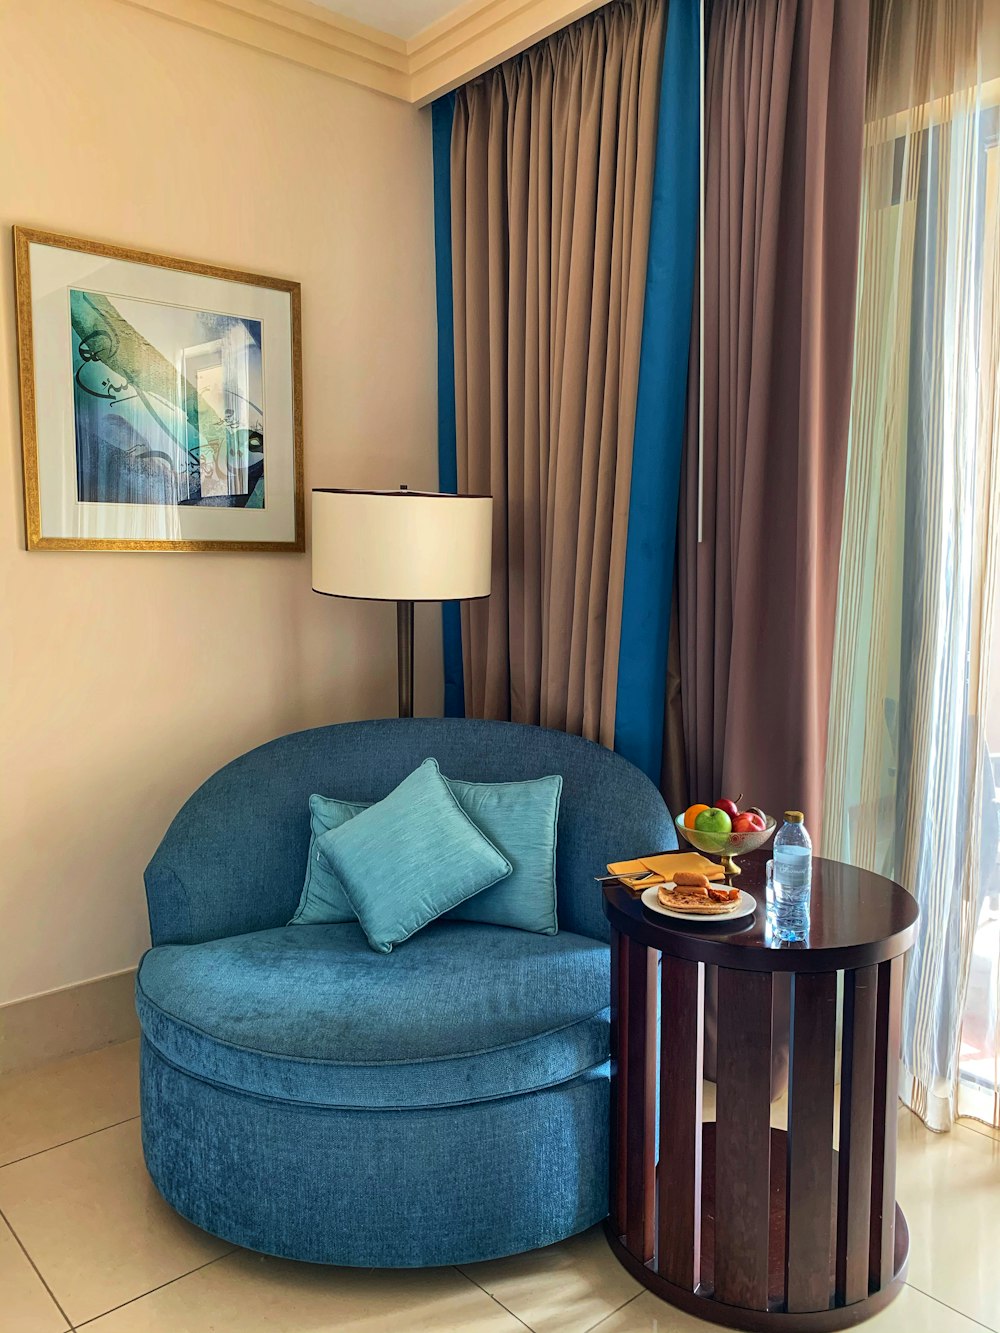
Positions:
(792, 877)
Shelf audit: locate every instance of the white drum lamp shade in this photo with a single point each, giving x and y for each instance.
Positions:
(403, 547)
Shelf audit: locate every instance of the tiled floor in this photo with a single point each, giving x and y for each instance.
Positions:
(86, 1242)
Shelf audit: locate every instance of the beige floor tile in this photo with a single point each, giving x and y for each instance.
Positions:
(949, 1188)
(978, 1127)
(910, 1312)
(248, 1293)
(26, 1306)
(94, 1225)
(67, 1099)
(565, 1288)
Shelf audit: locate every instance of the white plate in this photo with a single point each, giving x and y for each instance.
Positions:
(744, 907)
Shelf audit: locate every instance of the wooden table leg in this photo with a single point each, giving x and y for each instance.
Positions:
(616, 1135)
(637, 1072)
(810, 1167)
(854, 1193)
(888, 1021)
(678, 1205)
(743, 1139)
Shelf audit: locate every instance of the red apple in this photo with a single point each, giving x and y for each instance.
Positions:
(731, 808)
(748, 822)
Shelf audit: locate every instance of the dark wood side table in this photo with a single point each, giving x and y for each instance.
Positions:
(734, 1221)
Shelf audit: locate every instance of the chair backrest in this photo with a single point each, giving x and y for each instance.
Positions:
(234, 858)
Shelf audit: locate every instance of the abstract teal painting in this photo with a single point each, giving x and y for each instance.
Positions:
(168, 404)
(161, 400)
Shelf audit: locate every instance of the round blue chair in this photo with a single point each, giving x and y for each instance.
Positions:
(307, 1097)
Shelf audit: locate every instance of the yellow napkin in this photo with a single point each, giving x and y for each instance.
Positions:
(665, 866)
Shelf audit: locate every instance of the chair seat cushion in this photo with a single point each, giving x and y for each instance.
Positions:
(466, 1012)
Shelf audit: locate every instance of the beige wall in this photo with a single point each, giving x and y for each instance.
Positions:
(127, 679)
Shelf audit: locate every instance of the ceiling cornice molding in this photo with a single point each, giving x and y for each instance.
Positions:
(304, 33)
(459, 46)
(479, 35)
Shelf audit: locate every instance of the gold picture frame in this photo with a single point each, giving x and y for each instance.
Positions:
(288, 509)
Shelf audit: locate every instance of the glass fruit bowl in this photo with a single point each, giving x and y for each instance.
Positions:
(726, 845)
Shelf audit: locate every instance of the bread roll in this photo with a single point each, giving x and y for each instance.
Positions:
(690, 879)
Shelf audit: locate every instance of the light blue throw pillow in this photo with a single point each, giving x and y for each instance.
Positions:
(410, 857)
(519, 818)
(323, 900)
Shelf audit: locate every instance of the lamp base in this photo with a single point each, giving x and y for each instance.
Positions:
(404, 656)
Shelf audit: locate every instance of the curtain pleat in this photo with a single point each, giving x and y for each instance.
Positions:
(757, 597)
(552, 169)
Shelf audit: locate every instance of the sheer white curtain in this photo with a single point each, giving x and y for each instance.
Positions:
(909, 789)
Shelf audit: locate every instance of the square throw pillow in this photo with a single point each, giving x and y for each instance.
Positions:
(521, 820)
(410, 857)
(323, 901)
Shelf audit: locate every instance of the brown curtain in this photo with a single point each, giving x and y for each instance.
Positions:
(785, 101)
(552, 171)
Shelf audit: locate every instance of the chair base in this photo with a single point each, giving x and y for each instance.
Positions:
(407, 1188)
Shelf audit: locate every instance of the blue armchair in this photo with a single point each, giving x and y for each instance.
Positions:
(305, 1096)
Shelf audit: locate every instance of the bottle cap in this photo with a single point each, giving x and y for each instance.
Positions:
(795, 816)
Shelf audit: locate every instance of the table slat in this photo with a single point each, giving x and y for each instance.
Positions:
(640, 1097)
(682, 1019)
(619, 1065)
(888, 1023)
(856, 1122)
(809, 1193)
(743, 1138)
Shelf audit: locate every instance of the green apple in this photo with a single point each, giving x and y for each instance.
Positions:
(713, 820)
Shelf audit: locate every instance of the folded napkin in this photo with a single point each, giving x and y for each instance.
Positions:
(665, 866)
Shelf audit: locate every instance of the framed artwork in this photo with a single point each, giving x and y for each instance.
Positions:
(161, 401)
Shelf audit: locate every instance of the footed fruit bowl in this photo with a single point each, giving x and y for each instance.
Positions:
(726, 845)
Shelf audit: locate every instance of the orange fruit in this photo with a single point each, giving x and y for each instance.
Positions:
(692, 813)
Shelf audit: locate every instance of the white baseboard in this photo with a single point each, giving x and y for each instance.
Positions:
(68, 1022)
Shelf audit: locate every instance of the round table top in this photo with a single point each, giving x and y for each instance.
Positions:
(857, 918)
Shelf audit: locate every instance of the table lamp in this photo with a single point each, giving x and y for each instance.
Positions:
(401, 546)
